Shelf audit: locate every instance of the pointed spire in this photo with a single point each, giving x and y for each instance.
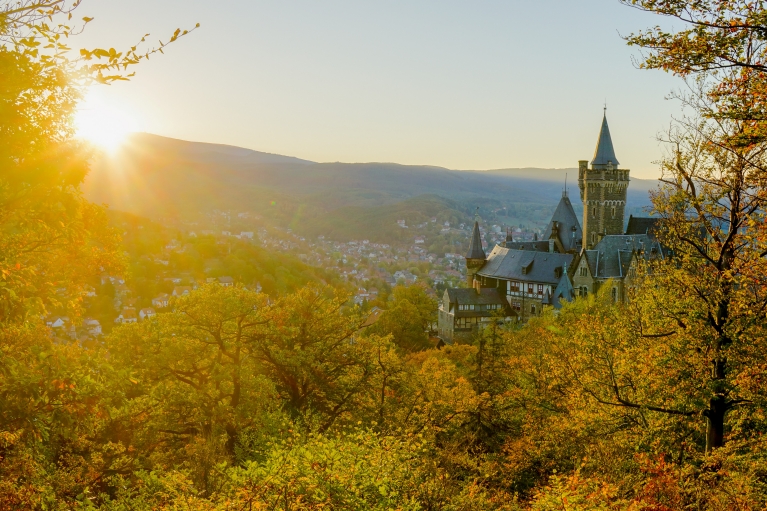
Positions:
(604, 152)
(563, 291)
(475, 245)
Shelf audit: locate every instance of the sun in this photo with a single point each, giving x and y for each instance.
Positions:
(103, 125)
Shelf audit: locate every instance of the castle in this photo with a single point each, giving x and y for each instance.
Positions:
(519, 278)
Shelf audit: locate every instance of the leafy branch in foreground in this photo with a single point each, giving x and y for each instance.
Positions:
(41, 30)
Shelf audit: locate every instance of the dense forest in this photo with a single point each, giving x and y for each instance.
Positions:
(294, 399)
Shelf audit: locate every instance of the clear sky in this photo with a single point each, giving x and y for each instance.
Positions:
(475, 84)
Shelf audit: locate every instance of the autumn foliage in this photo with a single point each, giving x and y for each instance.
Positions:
(237, 400)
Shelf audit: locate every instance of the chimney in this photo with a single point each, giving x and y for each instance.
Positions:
(551, 245)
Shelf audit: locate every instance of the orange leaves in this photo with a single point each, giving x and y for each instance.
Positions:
(62, 384)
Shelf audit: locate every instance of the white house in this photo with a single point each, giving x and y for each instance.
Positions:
(92, 326)
(146, 313)
(56, 321)
(408, 277)
(128, 315)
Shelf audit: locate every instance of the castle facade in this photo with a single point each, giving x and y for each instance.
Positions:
(518, 279)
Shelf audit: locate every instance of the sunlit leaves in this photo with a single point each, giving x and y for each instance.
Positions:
(27, 24)
(721, 40)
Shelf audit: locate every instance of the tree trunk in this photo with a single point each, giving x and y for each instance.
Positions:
(231, 439)
(715, 426)
(234, 402)
(717, 408)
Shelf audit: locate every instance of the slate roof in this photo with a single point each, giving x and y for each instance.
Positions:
(475, 246)
(469, 296)
(536, 246)
(641, 225)
(611, 257)
(567, 223)
(564, 291)
(508, 264)
(604, 153)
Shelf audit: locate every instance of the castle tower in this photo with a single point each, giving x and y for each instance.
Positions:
(603, 191)
(475, 257)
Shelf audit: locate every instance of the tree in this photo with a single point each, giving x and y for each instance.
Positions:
(723, 41)
(712, 209)
(51, 239)
(713, 195)
(408, 318)
(313, 353)
(196, 360)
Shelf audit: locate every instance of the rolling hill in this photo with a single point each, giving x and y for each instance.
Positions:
(155, 177)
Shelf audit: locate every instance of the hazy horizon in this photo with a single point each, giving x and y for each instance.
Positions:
(572, 181)
(490, 85)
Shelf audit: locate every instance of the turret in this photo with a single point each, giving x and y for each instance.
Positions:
(475, 257)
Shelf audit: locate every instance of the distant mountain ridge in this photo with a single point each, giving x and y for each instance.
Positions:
(158, 176)
(206, 150)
